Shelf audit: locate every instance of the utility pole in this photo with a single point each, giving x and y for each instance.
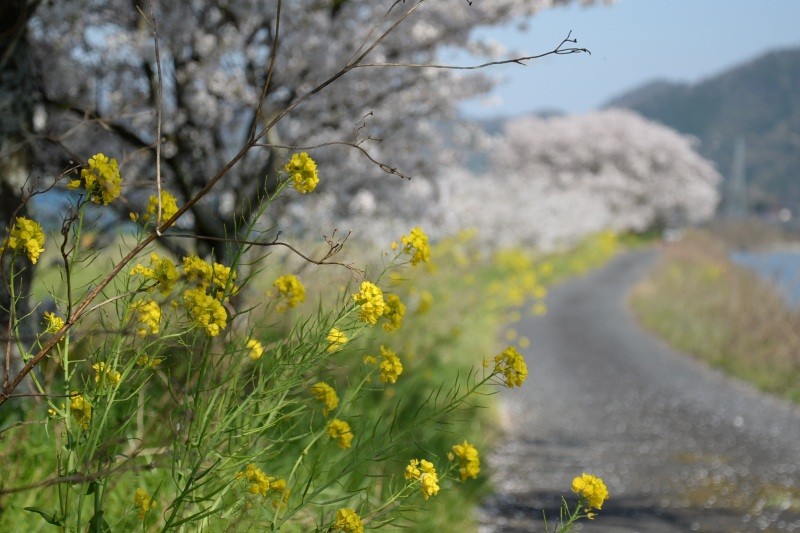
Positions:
(736, 204)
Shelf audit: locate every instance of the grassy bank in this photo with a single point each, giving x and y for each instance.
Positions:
(457, 307)
(703, 304)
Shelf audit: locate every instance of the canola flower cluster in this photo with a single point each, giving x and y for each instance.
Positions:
(26, 236)
(416, 245)
(468, 459)
(591, 490)
(103, 373)
(339, 431)
(169, 206)
(394, 312)
(303, 172)
(290, 291)
(209, 286)
(215, 278)
(101, 179)
(255, 349)
(81, 410)
(370, 302)
(205, 311)
(79, 406)
(390, 366)
(53, 322)
(325, 394)
(161, 270)
(425, 473)
(262, 484)
(373, 303)
(143, 503)
(347, 520)
(148, 316)
(335, 339)
(510, 364)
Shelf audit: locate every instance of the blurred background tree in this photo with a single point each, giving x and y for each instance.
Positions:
(96, 84)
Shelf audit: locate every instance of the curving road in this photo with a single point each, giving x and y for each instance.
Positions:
(680, 446)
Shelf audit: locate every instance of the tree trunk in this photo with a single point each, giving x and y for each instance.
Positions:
(17, 93)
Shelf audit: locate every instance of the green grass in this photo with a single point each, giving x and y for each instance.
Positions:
(704, 305)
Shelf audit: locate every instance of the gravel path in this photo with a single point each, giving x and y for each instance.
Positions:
(680, 446)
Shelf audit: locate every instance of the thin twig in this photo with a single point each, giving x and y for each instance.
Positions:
(383, 166)
(559, 50)
(334, 247)
(159, 104)
(268, 79)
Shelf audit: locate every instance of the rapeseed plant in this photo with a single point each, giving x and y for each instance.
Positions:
(180, 380)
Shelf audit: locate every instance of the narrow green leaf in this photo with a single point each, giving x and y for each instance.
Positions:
(49, 517)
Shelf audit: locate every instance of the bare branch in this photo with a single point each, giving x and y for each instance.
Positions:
(559, 50)
(357, 145)
(159, 106)
(334, 247)
(272, 59)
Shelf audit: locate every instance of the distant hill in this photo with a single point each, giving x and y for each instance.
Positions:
(758, 101)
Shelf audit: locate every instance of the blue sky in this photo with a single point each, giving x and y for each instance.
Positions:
(632, 42)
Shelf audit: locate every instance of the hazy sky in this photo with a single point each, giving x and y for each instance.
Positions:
(633, 42)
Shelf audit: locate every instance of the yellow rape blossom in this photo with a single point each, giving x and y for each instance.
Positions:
(260, 483)
(223, 279)
(390, 366)
(143, 502)
(101, 178)
(303, 171)
(395, 311)
(425, 302)
(370, 298)
(26, 236)
(81, 410)
(279, 485)
(512, 366)
(105, 374)
(204, 311)
(326, 394)
(169, 206)
(339, 431)
(424, 472)
(217, 277)
(335, 340)
(347, 520)
(148, 315)
(197, 271)
(469, 461)
(591, 489)
(255, 349)
(416, 245)
(290, 290)
(146, 360)
(54, 322)
(161, 270)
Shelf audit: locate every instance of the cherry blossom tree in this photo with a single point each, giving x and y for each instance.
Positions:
(555, 180)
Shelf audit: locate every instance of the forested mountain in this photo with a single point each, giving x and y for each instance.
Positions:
(758, 101)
